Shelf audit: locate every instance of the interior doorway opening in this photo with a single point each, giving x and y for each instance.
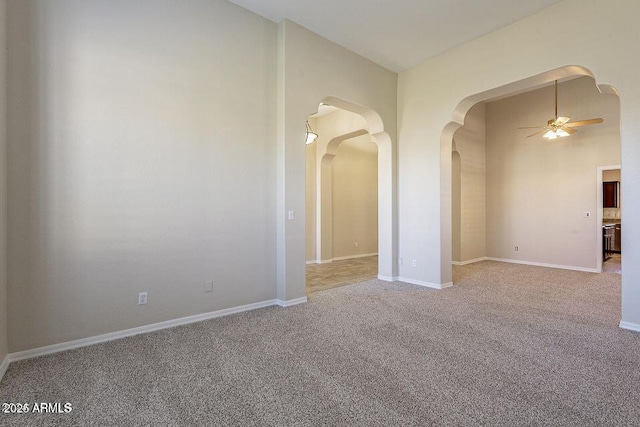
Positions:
(609, 184)
(538, 206)
(341, 200)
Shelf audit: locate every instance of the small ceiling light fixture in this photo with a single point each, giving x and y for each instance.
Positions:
(557, 133)
(311, 136)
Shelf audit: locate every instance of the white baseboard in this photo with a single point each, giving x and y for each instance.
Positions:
(426, 284)
(630, 326)
(4, 366)
(289, 303)
(84, 342)
(341, 258)
(471, 261)
(542, 264)
(387, 278)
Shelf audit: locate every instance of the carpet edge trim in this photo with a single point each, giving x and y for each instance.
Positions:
(111, 336)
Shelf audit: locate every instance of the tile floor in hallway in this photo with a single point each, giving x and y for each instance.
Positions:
(321, 277)
(613, 264)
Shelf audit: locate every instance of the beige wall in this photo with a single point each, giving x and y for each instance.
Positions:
(538, 190)
(3, 185)
(434, 96)
(355, 198)
(142, 145)
(470, 146)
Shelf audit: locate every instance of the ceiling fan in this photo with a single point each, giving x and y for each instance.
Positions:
(560, 127)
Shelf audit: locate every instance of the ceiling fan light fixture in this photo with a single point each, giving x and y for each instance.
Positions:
(311, 137)
(556, 133)
(560, 126)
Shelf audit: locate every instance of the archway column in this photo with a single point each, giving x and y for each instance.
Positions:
(387, 206)
(324, 237)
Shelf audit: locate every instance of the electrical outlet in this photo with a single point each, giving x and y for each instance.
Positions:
(142, 298)
(208, 286)
(586, 214)
(515, 248)
(414, 263)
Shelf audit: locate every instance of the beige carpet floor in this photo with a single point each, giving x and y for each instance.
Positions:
(509, 345)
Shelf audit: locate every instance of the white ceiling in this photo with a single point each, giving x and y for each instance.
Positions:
(398, 34)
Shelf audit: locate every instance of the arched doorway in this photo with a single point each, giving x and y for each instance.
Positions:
(369, 124)
(585, 211)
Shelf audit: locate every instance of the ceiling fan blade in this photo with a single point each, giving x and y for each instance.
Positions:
(585, 122)
(568, 130)
(537, 133)
(560, 121)
(530, 127)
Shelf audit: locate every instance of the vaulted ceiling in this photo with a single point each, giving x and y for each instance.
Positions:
(398, 34)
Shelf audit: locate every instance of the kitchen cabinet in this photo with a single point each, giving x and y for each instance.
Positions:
(617, 244)
(610, 193)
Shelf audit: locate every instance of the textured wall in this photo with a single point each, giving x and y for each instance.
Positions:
(142, 146)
